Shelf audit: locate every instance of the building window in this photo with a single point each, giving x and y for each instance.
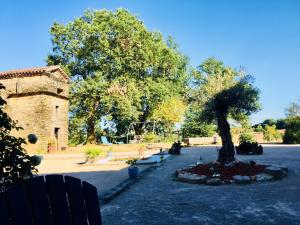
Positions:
(56, 110)
(59, 90)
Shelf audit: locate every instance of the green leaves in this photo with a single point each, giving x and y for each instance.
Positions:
(15, 163)
(117, 67)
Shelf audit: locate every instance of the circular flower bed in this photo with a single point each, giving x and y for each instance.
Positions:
(216, 173)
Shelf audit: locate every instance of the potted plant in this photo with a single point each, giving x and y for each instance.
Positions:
(133, 171)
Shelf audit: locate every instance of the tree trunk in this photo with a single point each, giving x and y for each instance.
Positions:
(226, 153)
(91, 136)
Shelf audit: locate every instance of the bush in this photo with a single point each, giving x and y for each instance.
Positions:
(15, 164)
(249, 148)
(292, 132)
(150, 138)
(92, 153)
(246, 137)
(270, 133)
(131, 161)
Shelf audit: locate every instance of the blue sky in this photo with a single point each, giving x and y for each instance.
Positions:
(263, 36)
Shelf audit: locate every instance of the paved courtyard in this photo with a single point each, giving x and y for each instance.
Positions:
(159, 200)
(104, 176)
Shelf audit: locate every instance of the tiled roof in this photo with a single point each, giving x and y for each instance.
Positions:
(29, 72)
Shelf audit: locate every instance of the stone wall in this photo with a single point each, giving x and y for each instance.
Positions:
(39, 104)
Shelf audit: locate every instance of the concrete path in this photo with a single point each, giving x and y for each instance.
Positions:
(104, 177)
(159, 200)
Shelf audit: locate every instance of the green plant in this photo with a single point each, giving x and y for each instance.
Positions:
(32, 138)
(92, 153)
(41, 151)
(246, 137)
(292, 132)
(36, 160)
(15, 164)
(270, 133)
(246, 148)
(51, 142)
(131, 161)
(150, 138)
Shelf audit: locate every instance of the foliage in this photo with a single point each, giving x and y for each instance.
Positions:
(150, 138)
(293, 110)
(238, 101)
(32, 138)
(280, 124)
(51, 142)
(15, 163)
(194, 126)
(169, 112)
(292, 132)
(271, 133)
(91, 153)
(248, 147)
(36, 160)
(259, 128)
(246, 137)
(119, 70)
(131, 161)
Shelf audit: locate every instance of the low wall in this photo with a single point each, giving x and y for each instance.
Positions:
(202, 140)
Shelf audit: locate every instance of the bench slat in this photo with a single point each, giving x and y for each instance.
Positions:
(38, 197)
(58, 199)
(76, 201)
(92, 204)
(19, 206)
(4, 214)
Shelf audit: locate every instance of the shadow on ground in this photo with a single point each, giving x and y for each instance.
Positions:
(160, 200)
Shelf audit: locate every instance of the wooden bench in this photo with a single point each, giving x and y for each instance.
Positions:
(50, 200)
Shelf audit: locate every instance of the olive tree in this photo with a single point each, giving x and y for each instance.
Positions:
(237, 101)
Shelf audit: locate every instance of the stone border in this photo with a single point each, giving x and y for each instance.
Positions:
(271, 172)
(124, 185)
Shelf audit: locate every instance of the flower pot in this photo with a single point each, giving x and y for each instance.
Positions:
(133, 172)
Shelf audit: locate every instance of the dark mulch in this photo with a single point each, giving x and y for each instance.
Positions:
(227, 171)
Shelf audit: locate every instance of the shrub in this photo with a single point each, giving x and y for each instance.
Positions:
(271, 133)
(247, 148)
(32, 138)
(150, 138)
(246, 137)
(92, 153)
(15, 164)
(131, 161)
(292, 132)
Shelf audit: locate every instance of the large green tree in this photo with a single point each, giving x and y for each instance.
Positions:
(118, 68)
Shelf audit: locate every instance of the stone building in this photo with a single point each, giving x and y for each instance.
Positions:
(37, 98)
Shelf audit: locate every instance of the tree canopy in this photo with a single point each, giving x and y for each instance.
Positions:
(221, 93)
(293, 110)
(119, 69)
(238, 101)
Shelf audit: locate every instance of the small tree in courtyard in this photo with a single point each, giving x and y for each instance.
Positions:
(237, 101)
